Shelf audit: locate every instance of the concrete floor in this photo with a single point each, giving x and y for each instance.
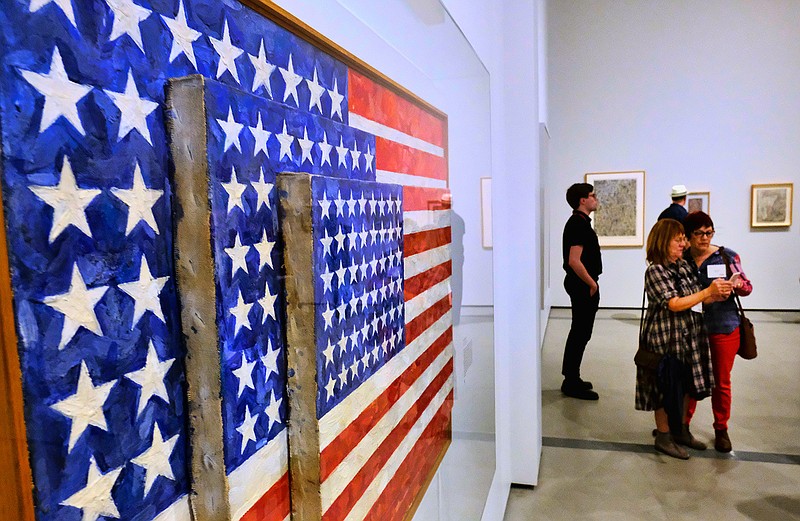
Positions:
(598, 462)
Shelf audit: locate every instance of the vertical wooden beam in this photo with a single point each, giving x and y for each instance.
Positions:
(16, 501)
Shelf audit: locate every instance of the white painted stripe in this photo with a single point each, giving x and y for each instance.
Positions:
(424, 220)
(346, 471)
(423, 261)
(373, 492)
(378, 129)
(258, 474)
(178, 511)
(385, 176)
(417, 305)
(337, 419)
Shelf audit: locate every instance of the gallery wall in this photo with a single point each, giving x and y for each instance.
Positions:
(698, 93)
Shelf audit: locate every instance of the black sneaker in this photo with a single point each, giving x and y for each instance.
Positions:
(577, 391)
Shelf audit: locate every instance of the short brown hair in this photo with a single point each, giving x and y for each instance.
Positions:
(577, 192)
(695, 221)
(659, 238)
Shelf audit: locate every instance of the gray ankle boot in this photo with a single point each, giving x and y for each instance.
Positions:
(665, 445)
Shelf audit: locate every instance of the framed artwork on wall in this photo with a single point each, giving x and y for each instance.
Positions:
(698, 202)
(771, 205)
(619, 218)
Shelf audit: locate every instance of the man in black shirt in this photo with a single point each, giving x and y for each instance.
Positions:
(676, 210)
(583, 265)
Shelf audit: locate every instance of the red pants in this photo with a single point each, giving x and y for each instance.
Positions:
(723, 352)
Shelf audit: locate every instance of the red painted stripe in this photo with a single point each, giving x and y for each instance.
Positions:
(423, 321)
(377, 103)
(426, 280)
(367, 473)
(272, 506)
(419, 198)
(419, 242)
(407, 483)
(401, 159)
(336, 450)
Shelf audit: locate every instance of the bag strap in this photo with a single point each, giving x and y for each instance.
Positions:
(641, 316)
(728, 269)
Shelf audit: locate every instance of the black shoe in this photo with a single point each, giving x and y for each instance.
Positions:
(576, 391)
(584, 384)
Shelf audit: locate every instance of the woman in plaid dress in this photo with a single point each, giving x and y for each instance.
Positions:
(674, 325)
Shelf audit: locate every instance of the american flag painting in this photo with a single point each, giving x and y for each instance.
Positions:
(89, 193)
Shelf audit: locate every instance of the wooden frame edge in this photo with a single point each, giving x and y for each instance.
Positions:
(754, 187)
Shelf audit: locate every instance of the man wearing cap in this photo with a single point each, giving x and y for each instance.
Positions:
(676, 210)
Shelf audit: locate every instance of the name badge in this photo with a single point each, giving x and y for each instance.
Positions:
(716, 271)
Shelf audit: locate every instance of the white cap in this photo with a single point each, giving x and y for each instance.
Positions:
(678, 191)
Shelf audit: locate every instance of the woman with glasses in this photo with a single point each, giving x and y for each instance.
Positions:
(673, 328)
(721, 318)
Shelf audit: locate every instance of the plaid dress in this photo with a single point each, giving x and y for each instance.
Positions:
(681, 333)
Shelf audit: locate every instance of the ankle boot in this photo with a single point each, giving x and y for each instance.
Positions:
(721, 440)
(686, 439)
(665, 445)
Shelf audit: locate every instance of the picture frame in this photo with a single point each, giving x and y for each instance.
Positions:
(619, 218)
(771, 205)
(698, 201)
(486, 212)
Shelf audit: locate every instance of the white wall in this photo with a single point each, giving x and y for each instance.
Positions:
(699, 93)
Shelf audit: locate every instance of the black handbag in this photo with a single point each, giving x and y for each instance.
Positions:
(747, 335)
(647, 360)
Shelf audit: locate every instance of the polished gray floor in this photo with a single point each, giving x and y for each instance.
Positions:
(598, 462)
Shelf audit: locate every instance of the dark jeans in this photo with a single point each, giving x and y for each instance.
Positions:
(584, 309)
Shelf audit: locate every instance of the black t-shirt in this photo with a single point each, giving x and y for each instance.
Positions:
(578, 232)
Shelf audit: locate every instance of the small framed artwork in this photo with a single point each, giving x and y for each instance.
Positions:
(698, 202)
(486, 212)
(619, 218)
(771, 205)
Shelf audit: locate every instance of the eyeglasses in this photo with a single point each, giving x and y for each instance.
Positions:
(698, 233)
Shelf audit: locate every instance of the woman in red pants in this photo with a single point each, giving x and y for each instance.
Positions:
(721, 318)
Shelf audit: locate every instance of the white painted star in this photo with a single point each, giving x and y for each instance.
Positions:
(329, 351)
(267, 303)
(327, 279)
(270, 361)
(61, 95)
(140, 201)
(292, 80)
(244, 373)
(155, 460)
(263, 70)
(273, 411)
(264, 249)
(145, 292)
(368, 157)
(356, 155)
(286, 140)
(248, 427)
(77, 306)
(68, 202)
(237, 253)
(182, 35)
(227, 53)
(85, 407)
(336, 100)
(342, 151)
(316, 93)
(231, 128)
(339, 202)
(325, 148)
(151, 378)
(95, 500)
(328, 316)
(330, 387)
(263, 190)
(339, 240)
(260, 135)
(133, 110)
(325, 205)
(127, 16)
(305, 147)
(235, 190)
(64, 5)
(240, 312)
